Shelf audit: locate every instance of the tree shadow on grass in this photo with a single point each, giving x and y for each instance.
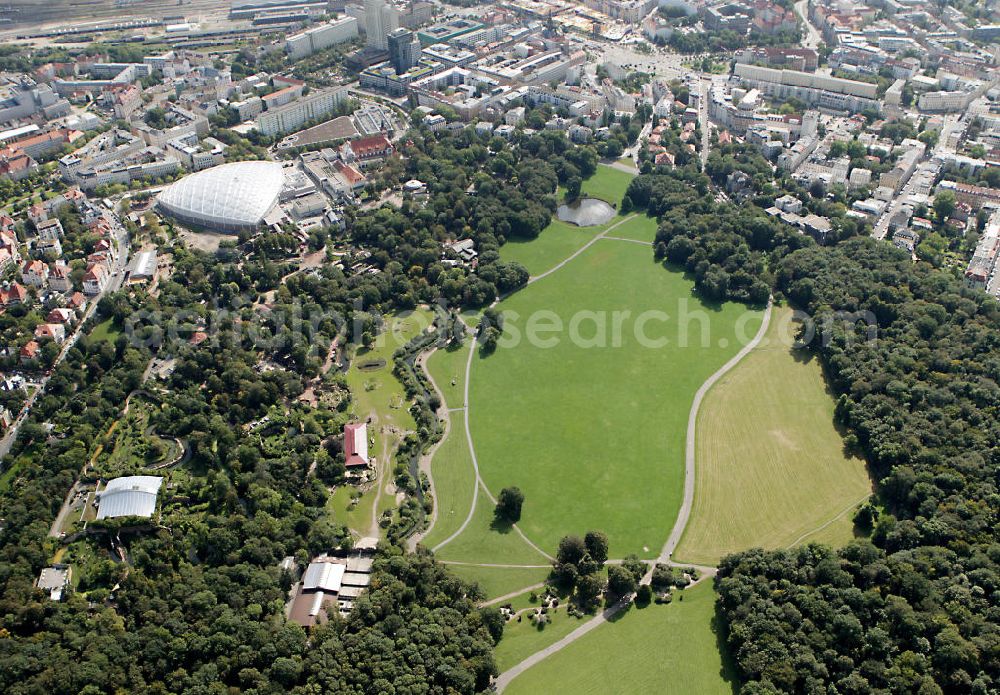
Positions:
(501, 525)
(729, 671)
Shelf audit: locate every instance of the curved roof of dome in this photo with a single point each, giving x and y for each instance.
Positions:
(229, 195)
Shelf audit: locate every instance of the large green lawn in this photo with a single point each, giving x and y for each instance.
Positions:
(522, 639)
(667, 650)
(771, 468)
(454, 481)
(594, 436)
(557, 241)
(483, 542)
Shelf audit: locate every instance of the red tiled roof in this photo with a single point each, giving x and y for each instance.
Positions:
(352, 432)
(372, 144)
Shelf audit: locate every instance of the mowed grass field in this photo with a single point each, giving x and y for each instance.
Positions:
(594, 436)
(500, 581)
(559, 240)
(771, 468)
(667, 650)
(608, 184)
(451, 466)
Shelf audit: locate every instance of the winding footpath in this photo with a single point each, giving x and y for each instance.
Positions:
(444, 412)
(675, 534)
(689, 448)
(468, 407)
(684, 513)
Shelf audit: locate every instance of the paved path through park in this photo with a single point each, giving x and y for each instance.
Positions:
(675, 534)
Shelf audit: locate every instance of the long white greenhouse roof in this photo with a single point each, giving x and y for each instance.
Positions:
(230, 195)
(133, 495)
(323, 575)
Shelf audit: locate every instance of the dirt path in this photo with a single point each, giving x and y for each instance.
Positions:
(468, 407)
(475, 463)
(504, 679)
(819, 528)
(604, 616)
(511, 595)
(443, 412)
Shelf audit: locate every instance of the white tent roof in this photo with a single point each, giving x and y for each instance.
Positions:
(237, 194)
(133, 495)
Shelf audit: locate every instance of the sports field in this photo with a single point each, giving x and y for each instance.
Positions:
(594, 436)
(668, 650)
(771, 468)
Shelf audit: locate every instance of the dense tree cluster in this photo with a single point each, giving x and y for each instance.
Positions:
(488, 191)
(914, 610)
(727, 249)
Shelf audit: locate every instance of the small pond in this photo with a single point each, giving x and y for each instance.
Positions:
(586, 212)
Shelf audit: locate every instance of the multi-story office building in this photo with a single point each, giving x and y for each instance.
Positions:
(404, 50)
(323, 36)
(380, 20)
(291, 117)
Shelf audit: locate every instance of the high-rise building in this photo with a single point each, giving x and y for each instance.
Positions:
(380, 19)
(404, 50)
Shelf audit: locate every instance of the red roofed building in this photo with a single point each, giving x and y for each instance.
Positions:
(78, 301)
(50, 331)
(96, 279)
(35, 273)
(125, 100)
(60, 315)
(355, 179)
(29, 351)
(59, 277)
(356, 444)
(367, 149)
(13, 295)
(16, 165)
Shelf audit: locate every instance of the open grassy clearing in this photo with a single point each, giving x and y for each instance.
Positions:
(639, 228)
(454, 480)
(559, 240)
(594, 436)
(451, 467)
(106, 330)
(374, 389)
(500, 581)
(556, 242)
(447, 368)
(608, 184)
(357, 517)
(771, 466)
(667, 650)
(484, 542)
(522, 639)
